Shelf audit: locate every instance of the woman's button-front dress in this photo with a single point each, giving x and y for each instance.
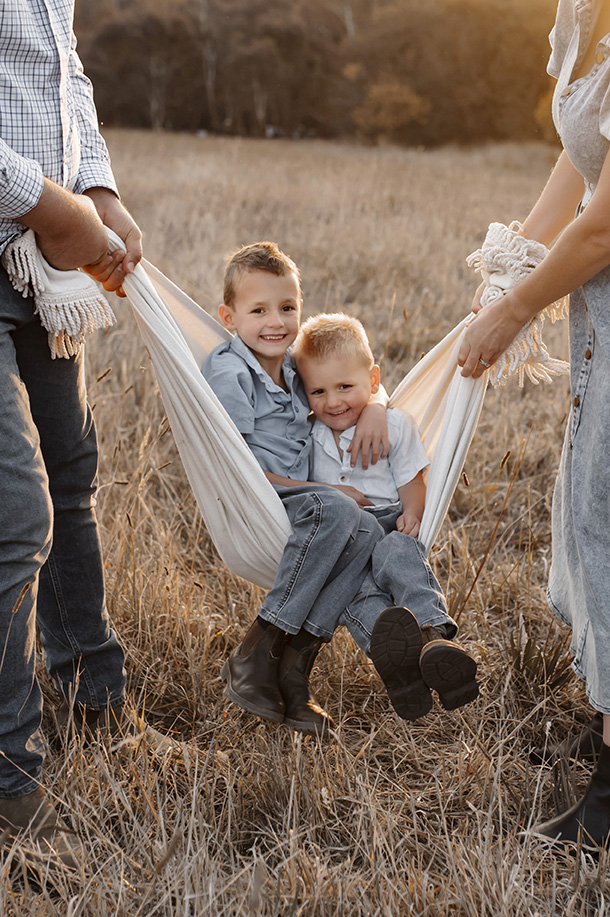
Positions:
(579, 583)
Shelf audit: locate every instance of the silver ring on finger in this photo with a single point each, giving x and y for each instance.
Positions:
(484, 363)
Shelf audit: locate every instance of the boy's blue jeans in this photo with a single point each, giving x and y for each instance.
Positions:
(50, 560)
(344, 566)
(324, 562)
(399, 574)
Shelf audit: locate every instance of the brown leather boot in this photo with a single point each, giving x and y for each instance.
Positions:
(48, 841)
(587, 822)
(119, 724)
(302, 712)
(447, 668)
(251, 672)
(585, 746)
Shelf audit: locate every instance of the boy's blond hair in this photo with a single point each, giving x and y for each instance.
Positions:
(332, 334)
(258, 256)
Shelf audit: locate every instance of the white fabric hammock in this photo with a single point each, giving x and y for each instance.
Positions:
(241, 510)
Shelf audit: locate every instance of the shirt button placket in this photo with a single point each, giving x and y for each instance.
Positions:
(576, 402)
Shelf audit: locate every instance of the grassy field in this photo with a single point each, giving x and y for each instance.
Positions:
(387, 818)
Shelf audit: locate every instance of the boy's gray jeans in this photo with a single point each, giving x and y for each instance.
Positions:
(50, 560)
(343, 566)
(398, 574)
(324, 562)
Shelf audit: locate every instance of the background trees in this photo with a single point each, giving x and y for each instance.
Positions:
(410, 71)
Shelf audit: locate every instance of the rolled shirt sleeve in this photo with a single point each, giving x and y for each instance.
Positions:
(21, 183)
(48, 122)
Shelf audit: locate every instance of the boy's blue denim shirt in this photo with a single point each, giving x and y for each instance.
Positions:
(273, 422)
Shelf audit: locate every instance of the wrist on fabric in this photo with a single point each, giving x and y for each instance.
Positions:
(516, 308)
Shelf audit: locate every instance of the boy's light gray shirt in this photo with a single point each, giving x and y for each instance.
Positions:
(380, 482)
(273, 422)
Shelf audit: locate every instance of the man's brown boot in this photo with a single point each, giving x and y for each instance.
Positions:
(251, 672)
(51, 842)
(120, 723)
(586, 746)
(302, 711)
(447, 668)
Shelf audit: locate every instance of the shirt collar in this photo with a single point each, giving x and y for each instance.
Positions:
(238, 347)
(323, 435)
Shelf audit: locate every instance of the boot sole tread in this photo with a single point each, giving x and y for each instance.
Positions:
(396, 644)
(450, 671)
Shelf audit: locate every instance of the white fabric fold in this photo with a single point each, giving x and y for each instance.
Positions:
(446, 407)
(241, 510)
(69, 303)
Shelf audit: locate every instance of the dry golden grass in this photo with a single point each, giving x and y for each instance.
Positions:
(388, 818)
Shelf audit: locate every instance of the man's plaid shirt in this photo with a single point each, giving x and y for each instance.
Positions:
(48, 123)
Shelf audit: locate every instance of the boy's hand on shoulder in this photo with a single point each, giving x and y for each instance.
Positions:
(349, 491)
(409, 524)
(371, 438)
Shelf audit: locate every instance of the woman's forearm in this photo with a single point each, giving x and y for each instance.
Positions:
(582, 250)
(556, 206)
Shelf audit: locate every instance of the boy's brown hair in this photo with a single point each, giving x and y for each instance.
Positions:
(333, 334)
(258, 256)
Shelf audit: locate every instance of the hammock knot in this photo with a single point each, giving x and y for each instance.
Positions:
(505, 258)
(69, 303)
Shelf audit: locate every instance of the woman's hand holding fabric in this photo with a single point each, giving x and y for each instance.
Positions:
(489, 334)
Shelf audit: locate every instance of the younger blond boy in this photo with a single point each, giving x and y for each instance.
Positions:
(336, 365)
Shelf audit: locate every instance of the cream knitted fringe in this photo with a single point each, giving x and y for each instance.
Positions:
(506, 258)
(69, 303)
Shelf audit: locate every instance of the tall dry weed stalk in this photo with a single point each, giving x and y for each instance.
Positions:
(387, 818)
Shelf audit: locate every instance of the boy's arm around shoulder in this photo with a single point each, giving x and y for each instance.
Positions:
(371, 438)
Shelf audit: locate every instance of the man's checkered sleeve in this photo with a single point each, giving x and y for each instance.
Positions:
(21, 183)
(95, 169)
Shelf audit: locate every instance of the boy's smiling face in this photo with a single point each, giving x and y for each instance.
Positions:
(338, 388)
(265, 314)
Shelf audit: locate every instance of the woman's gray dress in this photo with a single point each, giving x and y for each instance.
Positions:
(579, 583)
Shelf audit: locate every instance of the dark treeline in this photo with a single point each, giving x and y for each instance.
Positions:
(409, 71)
